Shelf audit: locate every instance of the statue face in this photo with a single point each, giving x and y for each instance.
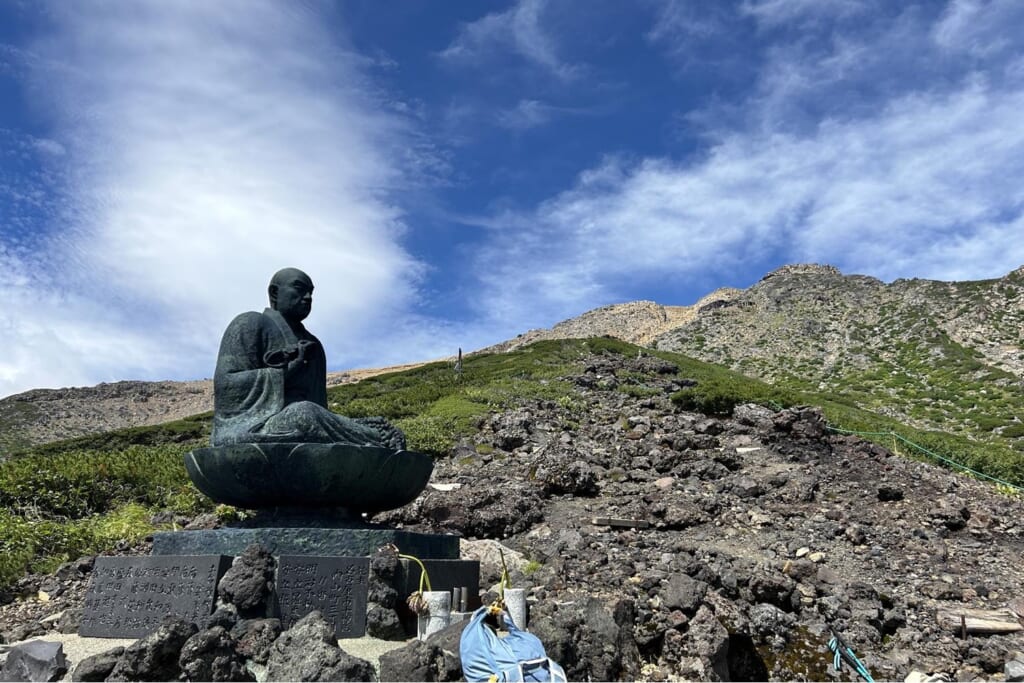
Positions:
(294, 298)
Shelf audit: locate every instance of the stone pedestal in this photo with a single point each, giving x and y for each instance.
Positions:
(323, 565)
(359, 541)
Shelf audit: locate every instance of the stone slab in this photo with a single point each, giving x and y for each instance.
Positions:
(322, 542)
(129, 596)
(444, 575)
(336, 586)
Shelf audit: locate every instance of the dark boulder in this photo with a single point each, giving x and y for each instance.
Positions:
(683, 593)
(592, 638)
(775, 589)
(308, 651)
(210, 655)
(255, 637)
(480, 512)
(155, 657)
(24, 632)
(382, 619)
(36, 660)
(70, 620)
(248, 582)
(434, 659)
(226, 616)
(576, 478)
(97, 667)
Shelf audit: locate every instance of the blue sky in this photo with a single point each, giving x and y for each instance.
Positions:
(455, 173)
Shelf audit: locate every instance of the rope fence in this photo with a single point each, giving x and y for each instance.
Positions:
(921, 449)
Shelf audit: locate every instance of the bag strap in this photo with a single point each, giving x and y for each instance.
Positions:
(542, 663)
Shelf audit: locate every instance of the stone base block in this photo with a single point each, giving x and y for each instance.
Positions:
(353, 542)
(444, 575)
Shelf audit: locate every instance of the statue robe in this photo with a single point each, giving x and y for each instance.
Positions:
(255, 402)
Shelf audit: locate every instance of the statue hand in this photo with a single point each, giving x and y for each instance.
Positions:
(300, 358)
(281, 358)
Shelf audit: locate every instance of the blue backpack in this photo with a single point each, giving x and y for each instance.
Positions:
(519, 656)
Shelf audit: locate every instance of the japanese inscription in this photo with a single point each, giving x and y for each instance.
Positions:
(129, 596)
(336, 586)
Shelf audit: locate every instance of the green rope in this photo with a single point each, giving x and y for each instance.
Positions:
(933, 454)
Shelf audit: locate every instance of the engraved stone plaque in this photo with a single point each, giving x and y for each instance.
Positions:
(129, 596)
(336, 586)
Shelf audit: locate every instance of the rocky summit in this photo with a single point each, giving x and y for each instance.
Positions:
(660, 544)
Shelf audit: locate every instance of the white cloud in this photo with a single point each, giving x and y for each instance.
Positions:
(929, 186)
(207, 145)
(520, 30)
(980, 28)
(773, 13)
(526, 114)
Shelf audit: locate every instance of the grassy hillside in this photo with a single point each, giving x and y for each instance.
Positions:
(943, 356)
(79, 496)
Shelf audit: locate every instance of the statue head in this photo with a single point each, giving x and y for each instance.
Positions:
(291, 294)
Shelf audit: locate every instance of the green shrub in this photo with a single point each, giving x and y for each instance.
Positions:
(638, 390)
(1012, 431)
(718, 394)
(79, 483)
(429, 434)
(42, 545)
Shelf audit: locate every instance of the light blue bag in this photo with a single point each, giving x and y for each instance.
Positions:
(519, 656)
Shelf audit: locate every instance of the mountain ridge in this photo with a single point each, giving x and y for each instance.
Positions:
(938, 355)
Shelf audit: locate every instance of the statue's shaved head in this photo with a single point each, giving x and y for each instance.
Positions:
(291, 293)
(286, 276)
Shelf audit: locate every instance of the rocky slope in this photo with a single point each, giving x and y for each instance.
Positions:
(659, 544)
(638, 322)
(940, 355)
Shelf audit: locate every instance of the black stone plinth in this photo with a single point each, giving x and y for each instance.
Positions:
(350, 542)
(444, 575)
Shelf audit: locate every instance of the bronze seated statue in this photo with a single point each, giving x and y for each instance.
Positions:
(274, 442)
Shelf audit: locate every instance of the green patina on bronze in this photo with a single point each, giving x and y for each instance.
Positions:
(274, 442)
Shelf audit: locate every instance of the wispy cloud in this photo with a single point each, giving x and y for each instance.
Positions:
(920, 179)
(207, 145)
(520, 30)
(773, 13)
(980, 28)
(529, 113)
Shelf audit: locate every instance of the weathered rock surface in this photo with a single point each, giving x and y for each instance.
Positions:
(382, 619)
(212, 655)
(36, 660)
(308, 652)
(98, 666)
(155, 657)
(248, 582)
(738, 541)
(254, 638)
(434, 659)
